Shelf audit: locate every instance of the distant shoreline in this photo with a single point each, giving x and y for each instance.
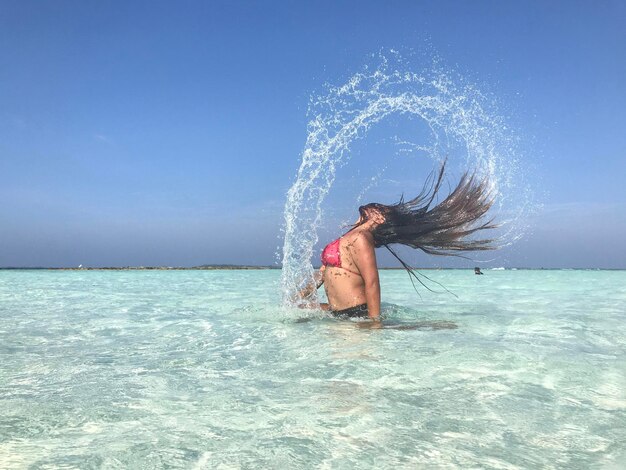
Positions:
(212, 267)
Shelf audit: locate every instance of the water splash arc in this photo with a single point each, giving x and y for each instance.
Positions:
(455, 115)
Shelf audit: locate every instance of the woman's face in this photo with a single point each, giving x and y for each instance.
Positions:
(370, 213)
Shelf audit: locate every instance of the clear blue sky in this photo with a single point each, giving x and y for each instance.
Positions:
(167, 133)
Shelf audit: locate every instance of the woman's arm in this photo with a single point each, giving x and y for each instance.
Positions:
(364, 257)
(319, 277)
(318, 280)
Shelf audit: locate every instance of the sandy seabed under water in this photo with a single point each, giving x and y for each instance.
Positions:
(205, 369)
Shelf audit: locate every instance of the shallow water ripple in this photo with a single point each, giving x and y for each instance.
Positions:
(203, 369)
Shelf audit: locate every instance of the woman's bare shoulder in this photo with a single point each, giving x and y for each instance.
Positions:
(360, 239)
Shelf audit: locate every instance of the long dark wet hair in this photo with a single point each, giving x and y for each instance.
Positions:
(445, 229)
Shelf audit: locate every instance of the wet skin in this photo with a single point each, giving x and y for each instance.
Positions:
(346, 289)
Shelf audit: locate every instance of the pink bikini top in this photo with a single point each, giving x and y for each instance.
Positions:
(331, 256)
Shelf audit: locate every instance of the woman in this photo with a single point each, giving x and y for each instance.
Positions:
(349, 271)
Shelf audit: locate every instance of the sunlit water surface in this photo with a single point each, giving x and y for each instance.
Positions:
(205, 369)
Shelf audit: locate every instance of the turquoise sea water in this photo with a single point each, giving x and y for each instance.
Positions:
(205, 369)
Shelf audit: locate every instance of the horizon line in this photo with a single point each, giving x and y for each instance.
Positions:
(243, 267)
